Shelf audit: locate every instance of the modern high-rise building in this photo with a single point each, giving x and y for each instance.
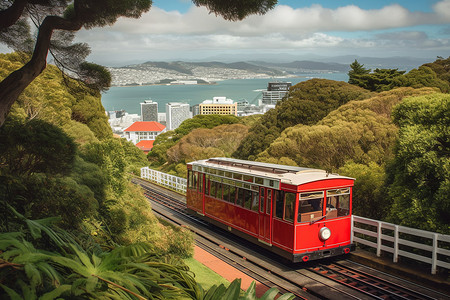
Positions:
(176, 113)
(275, 92)
(149, 111)
(218, 106)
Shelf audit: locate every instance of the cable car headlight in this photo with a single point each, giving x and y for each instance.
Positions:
(324, 233)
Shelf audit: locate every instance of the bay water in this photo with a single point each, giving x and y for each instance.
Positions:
(128, 98)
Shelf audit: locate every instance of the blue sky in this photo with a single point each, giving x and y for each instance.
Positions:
(176, 29)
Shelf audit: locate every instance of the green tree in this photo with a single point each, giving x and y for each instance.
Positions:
(419, 180)
(163, 142)
(441, 66)
(35, 147)
(307, 103)
(356, 70)
(202, 143)
(378, 80)
(370, 198)
(359, 131)
(422, 77)
(57, 21)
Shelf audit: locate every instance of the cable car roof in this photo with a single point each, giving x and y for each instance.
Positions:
(280, 173)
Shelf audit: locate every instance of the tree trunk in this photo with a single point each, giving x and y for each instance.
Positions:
(13, 85)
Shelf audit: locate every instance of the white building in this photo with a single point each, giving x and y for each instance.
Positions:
(141, 131)
(275, 92)
(176, 113)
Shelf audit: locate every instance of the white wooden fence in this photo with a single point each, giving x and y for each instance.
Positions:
(383, 236)
(172, 182)
(402, 241)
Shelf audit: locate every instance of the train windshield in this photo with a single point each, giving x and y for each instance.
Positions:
(338, 203)
(310, 206)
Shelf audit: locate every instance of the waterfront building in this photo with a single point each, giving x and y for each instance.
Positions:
(149, 111)
(218, 106)
(176, 113)
(140, 131)
(275, 92)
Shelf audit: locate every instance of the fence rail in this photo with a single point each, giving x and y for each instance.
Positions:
(403, 241)
(172, 182)
(382, 236)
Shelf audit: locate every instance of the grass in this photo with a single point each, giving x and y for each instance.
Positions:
(205, 276)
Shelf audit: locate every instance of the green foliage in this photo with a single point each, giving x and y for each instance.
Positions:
(360, 131)
(441, 66)
(378, 80)
(58, 101)
(35, 147)
(369, 193)
(422, 77)
(203, 143)
(235, 10)
(233, 292)
(436, 74)
(165, 141)
(357, 69)
(43, 261)
(419, 175)
(307, 103)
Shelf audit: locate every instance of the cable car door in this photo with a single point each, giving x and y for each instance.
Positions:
(265, 208)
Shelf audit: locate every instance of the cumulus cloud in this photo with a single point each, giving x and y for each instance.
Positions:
(283, 27)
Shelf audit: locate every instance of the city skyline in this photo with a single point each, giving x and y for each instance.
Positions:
(177, 30)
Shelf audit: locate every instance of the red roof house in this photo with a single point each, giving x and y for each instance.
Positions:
(145, 146)
(143, 131)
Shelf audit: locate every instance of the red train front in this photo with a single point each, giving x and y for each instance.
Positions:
(298, 213)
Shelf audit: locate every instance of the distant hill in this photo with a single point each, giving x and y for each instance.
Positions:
(152, 72)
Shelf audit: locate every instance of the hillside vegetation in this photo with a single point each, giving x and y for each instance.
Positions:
(67, 200)
(355, 131)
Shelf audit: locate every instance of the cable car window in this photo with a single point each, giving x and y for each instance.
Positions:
(247, 199)
(248, 178)
(219, 190)
(237, 176)
(200, 183)
(232, 193)
(220, 173)
(213, 188)
(261, 209)
(338, 203)
(279, 203)
(240, 198)
(259, 180)
(310, 206)
(255, 201)
(194, 180)
(226, 192)
(269, 201)
(207, 184)
(289, 205)
(189, 176)
(228, 175)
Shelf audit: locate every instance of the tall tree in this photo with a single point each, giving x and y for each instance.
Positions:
(356, 69)
(58, 20)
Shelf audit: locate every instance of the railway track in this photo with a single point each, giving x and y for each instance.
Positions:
(333, 280)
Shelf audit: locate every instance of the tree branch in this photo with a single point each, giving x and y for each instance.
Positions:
(13, 85)
(10, 15)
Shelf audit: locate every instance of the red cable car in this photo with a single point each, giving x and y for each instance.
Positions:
(299, 213)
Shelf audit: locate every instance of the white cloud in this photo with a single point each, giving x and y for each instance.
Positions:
(284, 28)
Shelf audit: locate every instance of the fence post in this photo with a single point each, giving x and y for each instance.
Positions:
(352, 231)
(396, 243)
(379, 233)
(434, 255)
